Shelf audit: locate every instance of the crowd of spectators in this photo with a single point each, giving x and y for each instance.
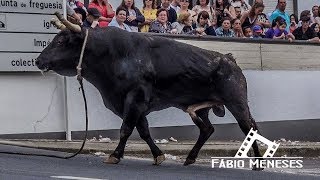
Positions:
(225, 18)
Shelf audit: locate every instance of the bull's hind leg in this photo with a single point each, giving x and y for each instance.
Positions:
(143, 129)
(200, 118)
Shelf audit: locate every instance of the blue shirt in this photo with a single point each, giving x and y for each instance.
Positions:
(284, 15)
(115, 23)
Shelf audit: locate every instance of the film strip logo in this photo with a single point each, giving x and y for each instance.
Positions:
(247, 143)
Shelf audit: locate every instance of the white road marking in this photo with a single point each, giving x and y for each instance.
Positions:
(77, 178)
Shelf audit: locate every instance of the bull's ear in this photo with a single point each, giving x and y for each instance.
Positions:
(68, 24)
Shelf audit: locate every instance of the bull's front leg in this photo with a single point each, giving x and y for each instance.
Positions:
(133, 108)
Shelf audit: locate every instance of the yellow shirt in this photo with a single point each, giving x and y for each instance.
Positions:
(148, 14)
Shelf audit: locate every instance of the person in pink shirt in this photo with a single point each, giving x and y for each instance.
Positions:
(105, 9)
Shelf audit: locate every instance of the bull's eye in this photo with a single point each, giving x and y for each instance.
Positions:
(59, 42)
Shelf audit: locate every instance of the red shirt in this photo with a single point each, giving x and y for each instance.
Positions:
(104, 12)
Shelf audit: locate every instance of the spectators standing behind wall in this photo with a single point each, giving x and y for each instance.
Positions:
(149, 12)
(161, 24)
(119, 19)
(172, 17)
(134, 16)
(242, 4)
(224, 10)
(317, 19)
(105, 10)
(184, 8)
(280, 11)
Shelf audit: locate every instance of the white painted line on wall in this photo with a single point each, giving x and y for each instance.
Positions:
(77, 178)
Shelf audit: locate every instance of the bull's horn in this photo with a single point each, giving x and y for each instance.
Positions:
(68, 24)
(57, 24)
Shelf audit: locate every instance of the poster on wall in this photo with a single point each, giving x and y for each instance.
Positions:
(25, 30)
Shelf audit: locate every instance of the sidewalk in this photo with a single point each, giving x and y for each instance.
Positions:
(180, 148)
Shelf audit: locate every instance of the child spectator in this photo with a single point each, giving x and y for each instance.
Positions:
(203, 24)
(134, 16)
(119, 19)
(105, 10)
(280, 32)
(149, 12)
(247, 32)
(270, 33)
(257, 32)
(161, 24)
(225, 30)
(92, 19)
(316, 28)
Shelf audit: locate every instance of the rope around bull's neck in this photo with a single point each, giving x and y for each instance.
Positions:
(79, 67)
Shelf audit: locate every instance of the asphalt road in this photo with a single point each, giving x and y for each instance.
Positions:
(89, 167)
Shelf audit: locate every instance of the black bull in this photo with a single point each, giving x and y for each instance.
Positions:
(138, 73)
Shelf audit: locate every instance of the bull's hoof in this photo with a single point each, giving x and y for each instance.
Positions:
(189, 161)
(112, 160)
(158, 160)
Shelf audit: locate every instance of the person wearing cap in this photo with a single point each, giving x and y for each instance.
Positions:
(119, 19)
(257, 32)
(305, 32)
(92, 19)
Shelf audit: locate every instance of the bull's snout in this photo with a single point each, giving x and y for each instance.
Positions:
(37, 63)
